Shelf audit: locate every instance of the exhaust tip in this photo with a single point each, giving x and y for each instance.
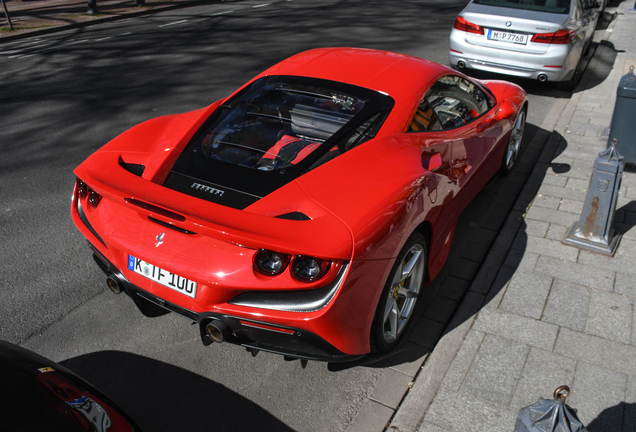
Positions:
(218, 330)
(543, 77)
(114, 285)
(461, 64)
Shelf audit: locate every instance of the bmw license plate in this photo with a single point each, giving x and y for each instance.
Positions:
(508, 37)
(163, 277)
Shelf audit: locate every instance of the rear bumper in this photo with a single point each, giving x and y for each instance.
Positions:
(556, 64)
(252, 334)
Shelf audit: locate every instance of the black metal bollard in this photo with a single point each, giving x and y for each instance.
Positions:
(550, 415)
(594, 229)
(622, 127)
(92, 7)
(6, 14)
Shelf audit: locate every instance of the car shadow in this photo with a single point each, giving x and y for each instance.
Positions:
(162, 397)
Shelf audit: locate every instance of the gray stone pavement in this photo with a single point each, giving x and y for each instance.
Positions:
(540, 314)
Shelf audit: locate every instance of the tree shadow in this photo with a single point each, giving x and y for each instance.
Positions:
(162, 397)
(619, 418)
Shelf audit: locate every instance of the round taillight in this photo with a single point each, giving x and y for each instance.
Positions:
(308, 269)
(270, 263)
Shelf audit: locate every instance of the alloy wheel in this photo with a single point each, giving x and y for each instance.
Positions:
(516, 138)
(405, 288)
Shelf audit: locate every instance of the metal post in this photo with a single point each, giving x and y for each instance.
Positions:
(6, 13)
(594, 230)
(92, 7)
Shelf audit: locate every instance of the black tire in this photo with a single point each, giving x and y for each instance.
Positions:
(571, 84)
(515, 144)
(398, 298)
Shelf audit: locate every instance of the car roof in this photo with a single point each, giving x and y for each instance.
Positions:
(401, 76)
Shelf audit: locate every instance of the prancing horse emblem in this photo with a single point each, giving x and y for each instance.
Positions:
(159, 239)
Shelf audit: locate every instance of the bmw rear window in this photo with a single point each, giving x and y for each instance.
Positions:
(550, 6)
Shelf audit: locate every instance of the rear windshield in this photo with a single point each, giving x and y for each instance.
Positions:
(277, 124)
(550, 6)
(273, 131)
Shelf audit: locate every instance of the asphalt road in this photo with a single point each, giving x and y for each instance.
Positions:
(63, 96)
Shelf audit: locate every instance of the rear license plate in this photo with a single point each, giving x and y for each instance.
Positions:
(163, 277)
(508, 37)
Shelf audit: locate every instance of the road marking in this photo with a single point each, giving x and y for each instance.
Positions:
(103, 39)
(173, 23)
(125, 34)
(261, 5)
(74, 43)
(57, 48)
(222, 13)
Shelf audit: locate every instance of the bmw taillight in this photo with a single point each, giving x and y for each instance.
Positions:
(561, 37)
(467, 26)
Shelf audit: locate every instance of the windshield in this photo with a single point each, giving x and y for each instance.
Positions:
(276, 124)
(550, 6)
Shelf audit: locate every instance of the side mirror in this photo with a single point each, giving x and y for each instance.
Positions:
(506, 110)
(431, 162)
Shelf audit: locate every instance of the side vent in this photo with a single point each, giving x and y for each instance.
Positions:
(298, 216)
(171, 226)
(136, 169)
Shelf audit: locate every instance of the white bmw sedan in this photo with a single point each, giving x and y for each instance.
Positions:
(539, 39)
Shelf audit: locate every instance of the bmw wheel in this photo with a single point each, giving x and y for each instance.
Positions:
(399, 296)
(514, 143)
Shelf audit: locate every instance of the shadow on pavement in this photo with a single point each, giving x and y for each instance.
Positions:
(621, 417)
(162, 397)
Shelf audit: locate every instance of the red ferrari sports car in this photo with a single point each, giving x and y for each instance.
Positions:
(302, 214)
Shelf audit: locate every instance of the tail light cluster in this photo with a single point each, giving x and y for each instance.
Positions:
(86, 192)
(467, 26)
(561, 37)
(302, 268)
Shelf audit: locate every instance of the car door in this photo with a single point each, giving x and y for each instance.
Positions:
(466, 113)
(440, 186)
